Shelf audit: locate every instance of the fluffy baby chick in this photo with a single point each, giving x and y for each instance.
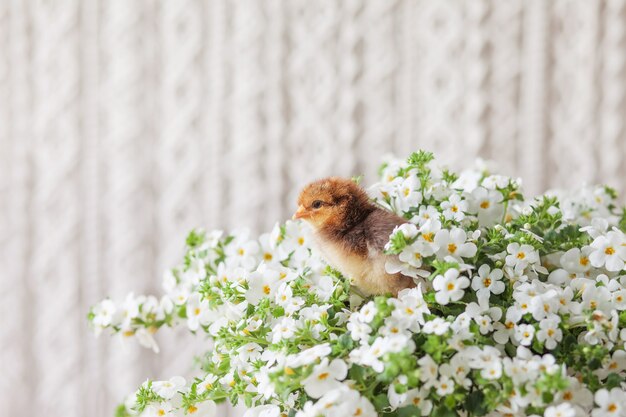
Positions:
(351, 233)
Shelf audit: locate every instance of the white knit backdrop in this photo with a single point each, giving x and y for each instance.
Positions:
(123, 124)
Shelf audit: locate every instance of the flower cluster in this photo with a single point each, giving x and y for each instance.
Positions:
(520, 310)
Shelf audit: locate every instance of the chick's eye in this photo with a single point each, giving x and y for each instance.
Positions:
(317, 204)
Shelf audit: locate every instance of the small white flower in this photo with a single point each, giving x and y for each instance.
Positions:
(609, 251)
(453, 243)
(409, 194)
(436, 326)
(549, 332)
(488, 206)
(444, 386)
(429, 371)
(267, 410)
(454, 208)
(610, 403)
(449, 287)
(488, 281)
(561, 410)
(520, 256)
(198, 312)
(167, 389)
(325, 377)
(419, 398)
(524, 334)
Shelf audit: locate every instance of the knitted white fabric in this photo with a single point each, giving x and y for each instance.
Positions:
(125, 123)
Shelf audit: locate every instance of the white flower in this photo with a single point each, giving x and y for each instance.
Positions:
(609, 251)
(308, 356)
(453, 243)
(285, 329)
(419, 398)
(449, 287)
(524, 334)
(610, 403)
(145, 339)
(203, 409)
(425, 214)
(561, 410)
(409, 194)
(325, 377)
(444, 386)
(242, 251)
(429, 371)
(520, 256)
(103, 314)
(488, 206)
(267, 410)
(198, 312)
(454, 208)
(368, 312)
(549, 332)
(262, 283)
(167, 389)
(207, 384)
(488, 281)
(249, 352)
(576, 261)
(158, 410)
(437, 326)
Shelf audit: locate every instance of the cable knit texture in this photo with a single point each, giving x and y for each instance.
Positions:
(123, 124)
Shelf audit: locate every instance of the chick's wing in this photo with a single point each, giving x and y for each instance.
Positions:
(379, 225)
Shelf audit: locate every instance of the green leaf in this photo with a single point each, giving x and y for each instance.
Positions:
(443, 411)
(410, 411)
(475, 404)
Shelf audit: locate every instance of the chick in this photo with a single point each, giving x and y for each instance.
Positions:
(351, 233)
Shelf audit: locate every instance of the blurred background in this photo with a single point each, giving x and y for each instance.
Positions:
(123, 124)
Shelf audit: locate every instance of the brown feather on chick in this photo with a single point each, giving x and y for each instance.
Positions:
(351, 233)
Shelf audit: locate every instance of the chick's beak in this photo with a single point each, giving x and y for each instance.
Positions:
(301, 213)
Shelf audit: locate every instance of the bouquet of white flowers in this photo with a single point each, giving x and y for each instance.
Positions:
(524, 314)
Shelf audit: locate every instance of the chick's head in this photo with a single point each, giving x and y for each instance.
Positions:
(333, 203)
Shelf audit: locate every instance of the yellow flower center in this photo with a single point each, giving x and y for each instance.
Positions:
(521, 255)
(241, 252)
(450, 286)
(322, 376)
(487, 282)
(428, 237)
(584, 261)
(358, 412)
(550, 332)
(452, 248)
(161, 412)
(196, 311)
(485, 205)
(266, 289)
(454, 209)
(568, 396)
(192, 409)
(417, 256)
(612, 408)
(300, 241)
(267, 256)
(609, 251)
(289, 371)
